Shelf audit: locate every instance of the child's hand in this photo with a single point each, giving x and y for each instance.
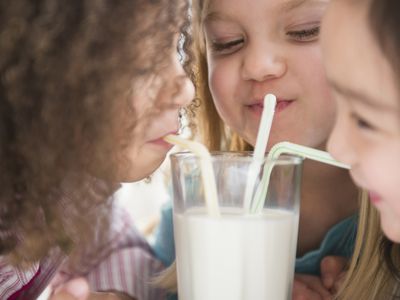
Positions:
(91, 296)
(75, 289)
(78, 289)
(308, 287)
(333, 271)
(109, 296)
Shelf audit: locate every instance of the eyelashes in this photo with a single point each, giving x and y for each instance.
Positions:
(227, 47)
(360, 122)
(304, 34)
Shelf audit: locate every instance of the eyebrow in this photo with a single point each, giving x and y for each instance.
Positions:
(213, 16)
(293, 4)
(286, 6)
(359, 96)
(216, 16)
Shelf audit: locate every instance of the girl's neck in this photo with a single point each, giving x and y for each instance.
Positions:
(328, 197)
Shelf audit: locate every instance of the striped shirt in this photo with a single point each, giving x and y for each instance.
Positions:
(125, 264)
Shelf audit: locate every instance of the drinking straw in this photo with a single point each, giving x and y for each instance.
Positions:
(45, 295)
(207, 171)
(288, 148)
(260, 148)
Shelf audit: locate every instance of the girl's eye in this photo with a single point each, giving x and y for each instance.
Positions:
(226, 48)
(361, 123)
(304, 35)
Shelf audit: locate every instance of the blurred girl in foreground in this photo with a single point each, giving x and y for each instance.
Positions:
(88, 89)
(361, 47)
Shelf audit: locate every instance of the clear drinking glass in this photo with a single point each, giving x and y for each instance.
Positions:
(237, 256)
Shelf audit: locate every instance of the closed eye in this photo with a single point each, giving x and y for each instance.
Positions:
(304, 35)
(228, 47)
(361, 123)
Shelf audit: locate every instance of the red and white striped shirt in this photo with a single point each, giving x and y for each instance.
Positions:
(126, 264)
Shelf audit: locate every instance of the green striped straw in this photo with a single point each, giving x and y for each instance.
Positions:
(288, 148)
(207, 171)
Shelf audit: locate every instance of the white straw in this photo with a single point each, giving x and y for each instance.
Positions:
(45, 295)
(261, 145)
(207, 171)
(288, 148)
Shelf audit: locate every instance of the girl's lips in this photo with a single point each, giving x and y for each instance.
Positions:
(162, 143)
(280, 106)
(375, 198)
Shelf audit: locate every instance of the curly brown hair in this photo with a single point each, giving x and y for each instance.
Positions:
(67, 69)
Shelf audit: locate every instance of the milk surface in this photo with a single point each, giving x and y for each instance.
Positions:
(236, 256)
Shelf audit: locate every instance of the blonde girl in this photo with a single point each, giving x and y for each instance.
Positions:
(271, 46)
(361, 44)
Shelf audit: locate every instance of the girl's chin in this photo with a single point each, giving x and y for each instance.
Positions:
(138, 172)
(391, 228)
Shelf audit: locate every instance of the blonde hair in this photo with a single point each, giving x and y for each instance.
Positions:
(368, 276)
(211, 129)
(213, 132)
(375, 265)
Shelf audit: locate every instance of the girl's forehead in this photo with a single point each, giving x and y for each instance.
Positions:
(219, 8)
(356, 67)
(284, 5)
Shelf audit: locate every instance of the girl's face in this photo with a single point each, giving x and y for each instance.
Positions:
(269, 46)
(156, 101)
(367, 130)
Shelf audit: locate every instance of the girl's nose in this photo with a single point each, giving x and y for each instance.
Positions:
(182, 87)
(184, 91)
(340, 146)
(262, 63)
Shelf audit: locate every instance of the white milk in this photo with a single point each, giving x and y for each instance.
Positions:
(235, 257)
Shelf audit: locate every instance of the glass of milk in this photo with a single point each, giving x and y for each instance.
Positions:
(236, 256)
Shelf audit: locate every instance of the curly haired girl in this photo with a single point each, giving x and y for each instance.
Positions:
(87, 90)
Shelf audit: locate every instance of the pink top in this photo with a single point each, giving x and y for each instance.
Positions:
(124, 264)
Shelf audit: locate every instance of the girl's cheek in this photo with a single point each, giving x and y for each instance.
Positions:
(223, 72)
(220, 87)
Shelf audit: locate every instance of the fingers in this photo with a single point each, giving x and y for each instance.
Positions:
(309, 287)
(302, 292)
(75, 289)
(63, 296)
(332, 269)
(338, 283)
(106, 296)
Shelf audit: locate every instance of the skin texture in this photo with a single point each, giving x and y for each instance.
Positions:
(333, 271)
(275, 50)
(78, 289)
(157, 101)
(367, 130)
